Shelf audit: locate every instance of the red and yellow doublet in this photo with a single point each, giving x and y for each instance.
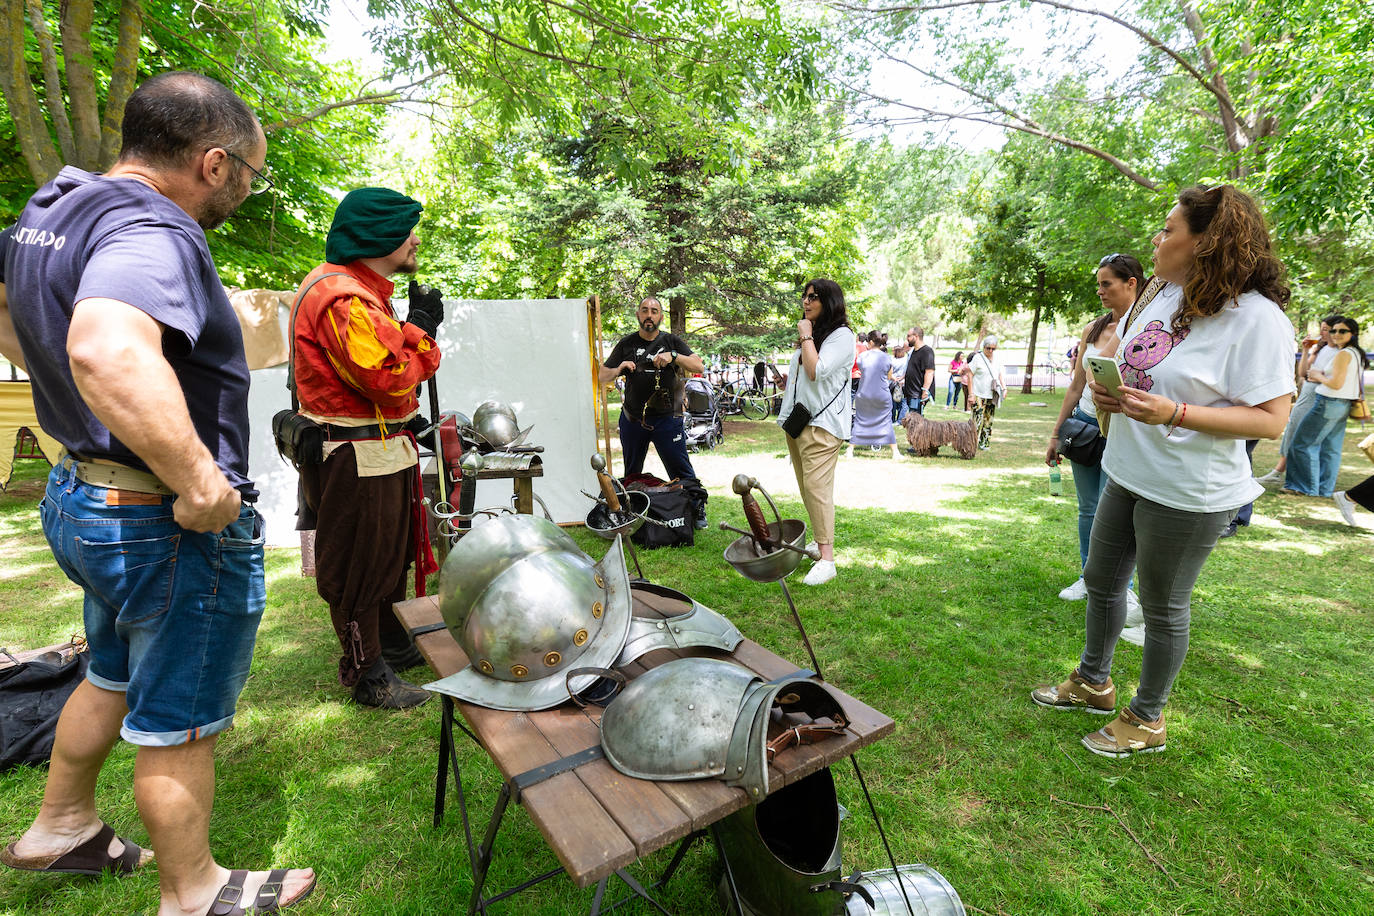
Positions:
(354, 357)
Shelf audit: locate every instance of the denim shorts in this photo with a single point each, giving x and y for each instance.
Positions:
(171, 615)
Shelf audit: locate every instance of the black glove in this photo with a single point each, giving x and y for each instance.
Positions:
(418, 425)
(426, 307)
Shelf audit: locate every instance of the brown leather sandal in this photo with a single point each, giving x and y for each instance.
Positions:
(228, 900)
(90, 858)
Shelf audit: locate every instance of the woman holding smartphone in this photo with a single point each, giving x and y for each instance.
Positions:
(819, 379)
(1120, 280)
(1207, 363)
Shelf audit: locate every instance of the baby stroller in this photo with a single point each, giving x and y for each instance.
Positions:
(702, 423)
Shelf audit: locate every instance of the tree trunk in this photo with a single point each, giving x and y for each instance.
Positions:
(1035, 333)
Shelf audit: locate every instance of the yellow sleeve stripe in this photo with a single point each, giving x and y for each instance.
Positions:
(363, 347)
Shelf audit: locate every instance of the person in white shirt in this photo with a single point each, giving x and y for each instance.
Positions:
(983, 378)
(1206, 363)
(1314, 457)
(1317, 353)
(818, 378)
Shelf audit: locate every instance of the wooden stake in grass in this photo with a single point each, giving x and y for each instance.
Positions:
(1129, 832)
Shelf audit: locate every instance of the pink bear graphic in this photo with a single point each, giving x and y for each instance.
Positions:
(1146, 350)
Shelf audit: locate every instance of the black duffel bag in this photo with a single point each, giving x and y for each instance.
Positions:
(1081, 442)
(673, 506)
(32, 695)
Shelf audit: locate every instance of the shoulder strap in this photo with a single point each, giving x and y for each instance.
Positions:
(291, 336)
(1147, 295)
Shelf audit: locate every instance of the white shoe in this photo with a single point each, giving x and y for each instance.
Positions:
(1076, 592)
(1347, 507)
(1134, 635)
(821, 573)
(1135, 617)
(1274, 476)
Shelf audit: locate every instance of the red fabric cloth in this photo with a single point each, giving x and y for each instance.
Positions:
(354, 357)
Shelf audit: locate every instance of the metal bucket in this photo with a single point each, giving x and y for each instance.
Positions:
(929, 892)
(743, 553)
(635, 502)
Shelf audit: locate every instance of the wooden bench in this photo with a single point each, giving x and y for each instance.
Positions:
(595, 819)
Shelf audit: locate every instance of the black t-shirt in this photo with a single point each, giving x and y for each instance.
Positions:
(916, 367)
(649, 393)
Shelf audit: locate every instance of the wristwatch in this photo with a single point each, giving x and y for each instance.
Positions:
(673, 361)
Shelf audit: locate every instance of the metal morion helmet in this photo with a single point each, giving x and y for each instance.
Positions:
(526, 605)
(495, 422)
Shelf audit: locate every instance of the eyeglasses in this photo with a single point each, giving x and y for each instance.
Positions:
(1111, 259)
(989, 348)
(811, 297)
(259, 183)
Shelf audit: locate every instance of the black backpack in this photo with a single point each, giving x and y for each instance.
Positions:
(675, 507)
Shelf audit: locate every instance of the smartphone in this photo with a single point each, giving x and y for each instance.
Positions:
(1106, 374)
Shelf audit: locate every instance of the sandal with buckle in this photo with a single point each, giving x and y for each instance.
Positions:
(268, 899)
(90, 858)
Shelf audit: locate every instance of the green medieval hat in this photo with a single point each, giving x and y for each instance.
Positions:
(370, 223)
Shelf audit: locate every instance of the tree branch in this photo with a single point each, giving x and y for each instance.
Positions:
(123, 73)
(40, 155)
(52, 80)
(391, 96)
(1224, 102)
(75, 25)
(1017, 122)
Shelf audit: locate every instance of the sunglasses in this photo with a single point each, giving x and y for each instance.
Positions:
(1341, 331)
(989, 348)
(811, 297)
(1111, 259)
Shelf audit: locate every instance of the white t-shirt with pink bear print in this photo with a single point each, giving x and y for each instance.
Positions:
(1242, 355)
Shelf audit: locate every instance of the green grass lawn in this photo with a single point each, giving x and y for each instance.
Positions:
(942, 619)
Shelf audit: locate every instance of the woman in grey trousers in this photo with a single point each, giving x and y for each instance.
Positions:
(1206, 362)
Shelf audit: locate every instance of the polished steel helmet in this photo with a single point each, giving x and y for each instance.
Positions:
(495, 422)
(526, 605)
(695, 718)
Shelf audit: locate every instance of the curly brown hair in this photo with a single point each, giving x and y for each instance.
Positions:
(1233, 255)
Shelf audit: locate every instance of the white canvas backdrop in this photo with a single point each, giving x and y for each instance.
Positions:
(533, 354)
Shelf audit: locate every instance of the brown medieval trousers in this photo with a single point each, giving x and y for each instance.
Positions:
(363, 545)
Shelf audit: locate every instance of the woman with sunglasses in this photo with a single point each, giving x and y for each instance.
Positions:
(1314, 458)
(819, 380)
(1317, 353)
(1120, 279)
(1206, 361)
(983, 380)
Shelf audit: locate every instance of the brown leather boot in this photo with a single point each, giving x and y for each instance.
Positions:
(380, 687)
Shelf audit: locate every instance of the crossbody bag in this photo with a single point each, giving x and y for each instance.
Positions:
(799, 417)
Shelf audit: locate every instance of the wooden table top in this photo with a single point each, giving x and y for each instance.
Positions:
(594, 818)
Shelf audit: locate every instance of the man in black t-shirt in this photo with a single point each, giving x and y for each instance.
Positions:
(650, 361)
(919, 383)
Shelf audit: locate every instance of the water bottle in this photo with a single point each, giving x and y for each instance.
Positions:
(1056, 480)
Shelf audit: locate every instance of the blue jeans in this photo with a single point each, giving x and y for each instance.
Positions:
(899, 410)
(1314, 455)
(171, 615)
(1088, 481)
(667, 437)
(915, 405)
(952, 393)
